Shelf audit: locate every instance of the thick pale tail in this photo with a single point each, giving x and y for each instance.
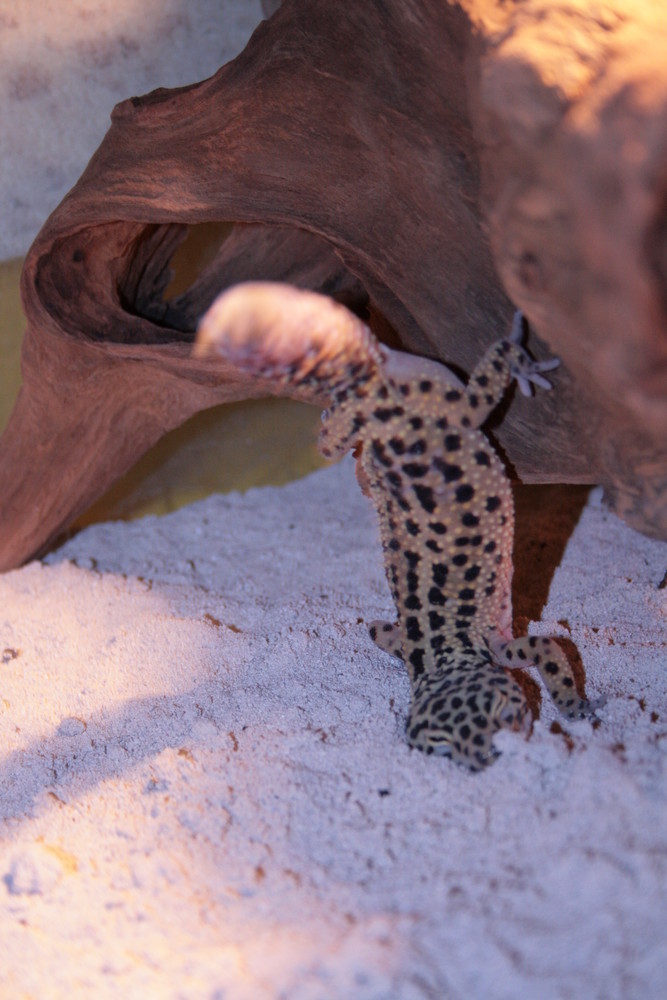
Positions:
(290, 336)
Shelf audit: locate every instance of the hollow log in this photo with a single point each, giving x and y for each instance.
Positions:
(419, 160)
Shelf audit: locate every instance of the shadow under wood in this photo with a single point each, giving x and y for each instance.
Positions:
(546, 516)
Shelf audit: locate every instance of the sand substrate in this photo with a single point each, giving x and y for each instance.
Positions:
(205, 789)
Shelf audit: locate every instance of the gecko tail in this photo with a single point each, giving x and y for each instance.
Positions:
(287, 335)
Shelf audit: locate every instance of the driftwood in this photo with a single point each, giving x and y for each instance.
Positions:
(358, 155)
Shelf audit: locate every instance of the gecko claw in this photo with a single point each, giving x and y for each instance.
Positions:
(519, 327)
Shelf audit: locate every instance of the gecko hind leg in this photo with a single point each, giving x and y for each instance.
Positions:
(545, 654)
(387, 637)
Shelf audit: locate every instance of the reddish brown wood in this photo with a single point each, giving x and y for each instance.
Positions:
(345, 146)
(570, 108)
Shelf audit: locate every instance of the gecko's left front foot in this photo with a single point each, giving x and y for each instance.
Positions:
(524, 369)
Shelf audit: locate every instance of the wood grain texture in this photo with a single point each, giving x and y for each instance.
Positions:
(358, 156)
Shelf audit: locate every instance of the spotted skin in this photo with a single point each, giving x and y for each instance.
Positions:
(442, 495)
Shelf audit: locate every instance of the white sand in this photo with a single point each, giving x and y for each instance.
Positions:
(206, 791)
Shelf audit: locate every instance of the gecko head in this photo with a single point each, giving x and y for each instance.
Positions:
(456, 713)
(283, 333)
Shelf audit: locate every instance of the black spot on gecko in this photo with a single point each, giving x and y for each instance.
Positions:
(425, 385)
(412, 528)
(452, 442)
(465, 493)
(468, 610)
(433, 545)
(438, 528)
(440, 572)
(413, 630)
(416, 423)
(451, 473)
(452, 395)
(492, 503)
(471, 573)
(469, 520)
(417, 659)
(482, 380)
(413, 603)
(418, 448)
(437, 597)
(397, 445)
(436, 620)
(401, 501)
(425, 497)
(380, 454)
(414, 469)
(412, 558)
(384, 413)
(356, 369)
(482, 458)
(460, 560)
(490, 547)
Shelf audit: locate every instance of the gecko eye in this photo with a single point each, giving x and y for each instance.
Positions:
(509, 709)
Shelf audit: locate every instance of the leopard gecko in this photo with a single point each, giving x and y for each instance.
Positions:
(442, 496)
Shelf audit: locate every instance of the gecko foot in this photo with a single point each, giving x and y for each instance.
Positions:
(554, 668)
(523, 368)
